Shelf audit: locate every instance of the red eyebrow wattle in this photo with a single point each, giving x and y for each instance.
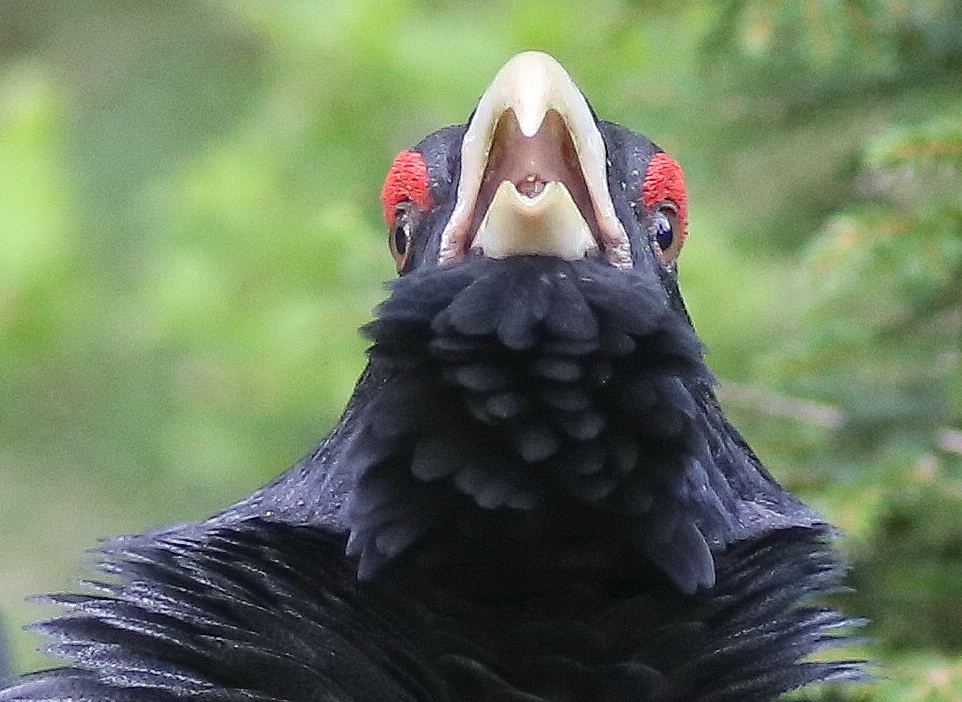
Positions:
(665, 181)
(407, 179)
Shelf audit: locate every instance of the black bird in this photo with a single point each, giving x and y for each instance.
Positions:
(533, 493)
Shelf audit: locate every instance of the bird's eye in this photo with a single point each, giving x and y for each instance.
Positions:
(665, 232)
(665, 201)
(400, 238)
(405, 195)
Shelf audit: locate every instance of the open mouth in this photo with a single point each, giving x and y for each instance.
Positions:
(533, 172)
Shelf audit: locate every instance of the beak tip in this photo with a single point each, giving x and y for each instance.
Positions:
(530, 83)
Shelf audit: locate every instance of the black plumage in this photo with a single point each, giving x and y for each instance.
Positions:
(532, 495)
(271, 611)
(607, 402)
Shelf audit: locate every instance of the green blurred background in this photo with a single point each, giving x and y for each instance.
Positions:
(190, 236)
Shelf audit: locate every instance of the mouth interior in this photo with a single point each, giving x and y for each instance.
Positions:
(530, 163)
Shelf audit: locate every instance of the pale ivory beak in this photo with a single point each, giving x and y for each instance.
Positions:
(549, 218)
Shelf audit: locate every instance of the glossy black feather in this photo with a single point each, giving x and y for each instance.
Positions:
(265, 611)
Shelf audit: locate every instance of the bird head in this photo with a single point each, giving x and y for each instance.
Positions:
(535, 173)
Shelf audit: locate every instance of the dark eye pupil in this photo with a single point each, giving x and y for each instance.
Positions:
(664, 231)
(400, 235)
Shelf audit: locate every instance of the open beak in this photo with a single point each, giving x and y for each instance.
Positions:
(533, 172)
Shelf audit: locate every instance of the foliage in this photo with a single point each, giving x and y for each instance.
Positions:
(189, 238)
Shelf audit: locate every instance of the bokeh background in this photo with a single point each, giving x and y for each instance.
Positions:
(190, 236)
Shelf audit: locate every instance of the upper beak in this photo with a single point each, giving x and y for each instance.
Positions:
(533, 172)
